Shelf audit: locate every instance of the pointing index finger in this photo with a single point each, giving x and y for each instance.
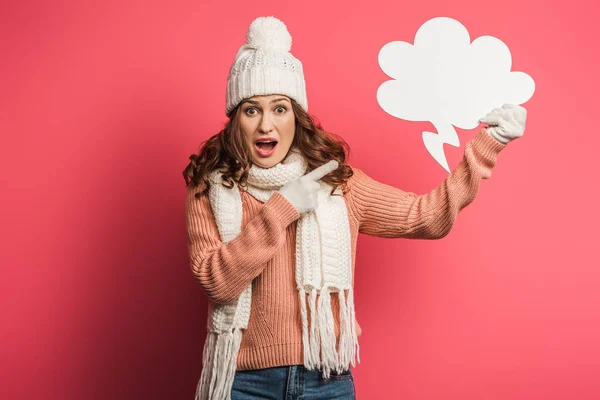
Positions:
(323, 170)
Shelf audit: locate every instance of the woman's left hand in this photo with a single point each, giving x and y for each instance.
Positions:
(506, 123)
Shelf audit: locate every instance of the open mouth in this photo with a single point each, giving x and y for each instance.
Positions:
(265, 148)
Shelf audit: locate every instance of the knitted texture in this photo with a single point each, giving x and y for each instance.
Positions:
(323, 265)
(264, 65)
(264, 254)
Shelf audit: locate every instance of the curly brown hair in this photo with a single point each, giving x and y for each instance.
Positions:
(228, 150)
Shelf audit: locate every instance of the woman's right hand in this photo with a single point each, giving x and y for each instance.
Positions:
(302, 192)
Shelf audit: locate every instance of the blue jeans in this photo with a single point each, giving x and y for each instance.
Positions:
(293, 382)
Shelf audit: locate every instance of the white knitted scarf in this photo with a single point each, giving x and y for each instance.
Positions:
(323, 266)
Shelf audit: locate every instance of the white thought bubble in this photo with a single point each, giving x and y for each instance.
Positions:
(447, 80)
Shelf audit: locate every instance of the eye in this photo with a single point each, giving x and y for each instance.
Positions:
(282, 108)
(247, 111)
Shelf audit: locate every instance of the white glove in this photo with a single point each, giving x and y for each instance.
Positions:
(302, 192)
(506, 123)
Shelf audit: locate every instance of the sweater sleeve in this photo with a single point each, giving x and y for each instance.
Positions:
(386, 211)
(224, 270)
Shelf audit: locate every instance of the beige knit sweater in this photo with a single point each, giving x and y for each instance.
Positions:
(264, 252)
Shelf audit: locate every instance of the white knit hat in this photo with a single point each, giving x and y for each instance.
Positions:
(264, 65)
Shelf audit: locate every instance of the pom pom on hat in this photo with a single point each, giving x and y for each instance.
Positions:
(269, 33)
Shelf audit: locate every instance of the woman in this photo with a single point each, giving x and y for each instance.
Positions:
(273, 215)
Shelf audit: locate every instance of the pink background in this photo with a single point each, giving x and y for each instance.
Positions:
(103, 102)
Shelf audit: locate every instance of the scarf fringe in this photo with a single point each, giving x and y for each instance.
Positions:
(218, 365)
(308, 359)
(315, 338)
(321, 349)
(345, 351)
(353, 327)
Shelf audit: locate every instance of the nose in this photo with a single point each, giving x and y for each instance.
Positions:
(266, 125)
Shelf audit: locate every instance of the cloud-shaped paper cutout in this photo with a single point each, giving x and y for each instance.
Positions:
(447, 80)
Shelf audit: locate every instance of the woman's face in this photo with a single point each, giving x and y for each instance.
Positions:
(269, 124)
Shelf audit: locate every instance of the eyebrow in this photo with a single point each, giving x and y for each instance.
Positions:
(255, 102)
